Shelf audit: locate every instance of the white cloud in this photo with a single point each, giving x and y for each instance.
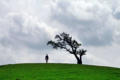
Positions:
(91, 18)
(26, 26)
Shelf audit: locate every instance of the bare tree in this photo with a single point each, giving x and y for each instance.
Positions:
(64, 41)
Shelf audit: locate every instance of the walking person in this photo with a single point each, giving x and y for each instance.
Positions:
(46, 58)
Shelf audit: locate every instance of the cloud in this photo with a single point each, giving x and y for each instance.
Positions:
(23, 30)
(116, 13)
(90, 18)
(26, 26)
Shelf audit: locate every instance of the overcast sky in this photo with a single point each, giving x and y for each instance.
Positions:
(27, 25)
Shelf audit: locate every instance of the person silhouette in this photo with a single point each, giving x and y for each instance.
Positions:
(46, 58)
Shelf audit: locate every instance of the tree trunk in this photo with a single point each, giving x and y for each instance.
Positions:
(79, 60)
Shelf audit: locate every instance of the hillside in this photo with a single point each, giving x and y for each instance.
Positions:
(57, 72)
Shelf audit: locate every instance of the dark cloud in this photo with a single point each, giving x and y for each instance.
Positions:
(19, 34)
(26, 26)
(92, 32)
(116, 14)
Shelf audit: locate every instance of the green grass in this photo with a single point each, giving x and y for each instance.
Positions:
(57, 72)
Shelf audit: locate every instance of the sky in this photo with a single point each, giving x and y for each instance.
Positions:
(27, 25)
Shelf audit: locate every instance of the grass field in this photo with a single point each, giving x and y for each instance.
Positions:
(57, 72)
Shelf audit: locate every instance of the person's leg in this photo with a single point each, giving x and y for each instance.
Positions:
(46, 60)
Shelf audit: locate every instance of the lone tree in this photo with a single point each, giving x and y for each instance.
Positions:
(64, 41)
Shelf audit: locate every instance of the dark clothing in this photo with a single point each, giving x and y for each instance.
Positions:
(46, 58)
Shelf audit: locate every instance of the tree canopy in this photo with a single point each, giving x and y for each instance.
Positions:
(66, 42)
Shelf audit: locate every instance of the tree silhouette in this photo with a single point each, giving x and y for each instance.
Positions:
(64, 41)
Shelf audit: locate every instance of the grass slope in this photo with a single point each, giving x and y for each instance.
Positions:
(57, 72)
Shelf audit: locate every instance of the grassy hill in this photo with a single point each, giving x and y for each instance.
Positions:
(57, 72)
